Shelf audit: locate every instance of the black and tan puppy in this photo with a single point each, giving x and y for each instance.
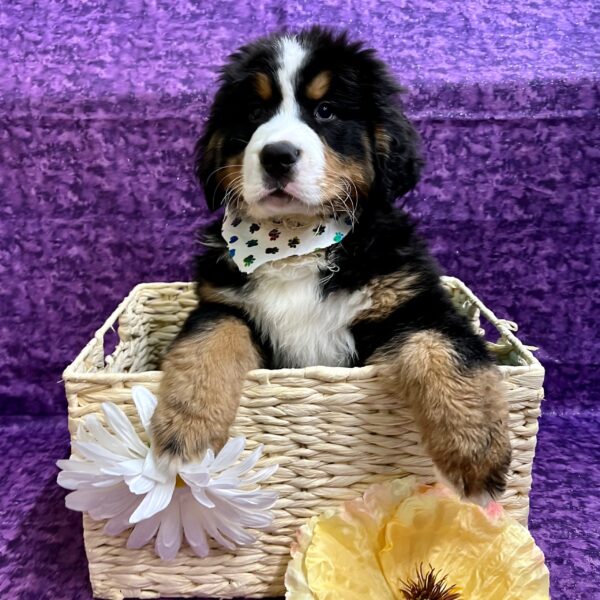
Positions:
(310, 126)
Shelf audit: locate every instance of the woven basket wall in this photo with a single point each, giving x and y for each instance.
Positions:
(331, 430)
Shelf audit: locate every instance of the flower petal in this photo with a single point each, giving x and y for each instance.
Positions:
(200, 479)
(208, 459)
(224, 483)
(71, 480)
(123, 429)
(93, 452)
(254, 520)
(104, 438)
(118, 500)
(192, 525)
(234, 533)
(498, 558)
(100, 503)
(260, 475)
(145, 404)
(129, 467)
(208, 523)
(296, 585)
(157, 470)
(256, 500)
(201, 497)
(75, 464)
(156, 500)
(139, 484)
(198, 468)
(370, 546)
(103, 483)
(168, 540)
(341, 562)
(229, 454)
(120, 522)
(245, 465)
(252, 517)
(81, 500)
(143, 532)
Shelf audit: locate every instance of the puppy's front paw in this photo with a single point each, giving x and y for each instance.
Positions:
(185, 437)
(475, 462)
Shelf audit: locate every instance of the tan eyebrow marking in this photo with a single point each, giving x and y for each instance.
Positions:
(262, 83)
(318, 87)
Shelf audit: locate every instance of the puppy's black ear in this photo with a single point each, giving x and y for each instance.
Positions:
(396, 143)
(397, 159)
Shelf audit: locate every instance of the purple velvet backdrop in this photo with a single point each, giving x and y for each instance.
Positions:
(99, 110)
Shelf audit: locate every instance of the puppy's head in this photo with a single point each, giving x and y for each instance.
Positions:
(306, 124)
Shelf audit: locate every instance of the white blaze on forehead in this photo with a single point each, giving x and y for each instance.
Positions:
(291, 56)
(286, 125)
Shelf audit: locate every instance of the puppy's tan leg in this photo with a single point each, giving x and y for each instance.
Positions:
(461, 411)
(199, 394)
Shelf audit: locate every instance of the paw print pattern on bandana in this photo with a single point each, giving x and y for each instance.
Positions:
(254, 243)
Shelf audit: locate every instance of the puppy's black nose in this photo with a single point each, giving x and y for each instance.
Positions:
(278, 159)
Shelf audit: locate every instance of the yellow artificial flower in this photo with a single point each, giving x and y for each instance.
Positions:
(407, 541)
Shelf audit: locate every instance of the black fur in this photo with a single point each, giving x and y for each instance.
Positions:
(383, 243)
(366, 98)
(373, 143)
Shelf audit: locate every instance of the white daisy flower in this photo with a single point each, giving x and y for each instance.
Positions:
(118, 478)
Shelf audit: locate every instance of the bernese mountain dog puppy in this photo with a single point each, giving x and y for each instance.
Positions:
(306, 138)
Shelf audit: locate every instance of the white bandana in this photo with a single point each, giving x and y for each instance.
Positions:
(254, 243)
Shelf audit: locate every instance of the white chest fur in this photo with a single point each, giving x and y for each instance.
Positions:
(303, 327)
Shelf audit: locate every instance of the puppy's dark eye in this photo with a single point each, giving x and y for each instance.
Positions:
(257, 114)
(324, 112)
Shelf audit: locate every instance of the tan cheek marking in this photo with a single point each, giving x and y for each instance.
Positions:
(319, 86)
(230, 175)
(388, 293)
(462, 415)
(340, 170)
(262, 83)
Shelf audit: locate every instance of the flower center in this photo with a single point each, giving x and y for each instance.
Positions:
(179, 482)
(428, 586)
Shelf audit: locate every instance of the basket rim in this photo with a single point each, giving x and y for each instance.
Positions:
(75, 371)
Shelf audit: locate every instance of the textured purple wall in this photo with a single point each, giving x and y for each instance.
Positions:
(99, 110)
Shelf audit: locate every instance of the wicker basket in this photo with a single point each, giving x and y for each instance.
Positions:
(332, 431)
